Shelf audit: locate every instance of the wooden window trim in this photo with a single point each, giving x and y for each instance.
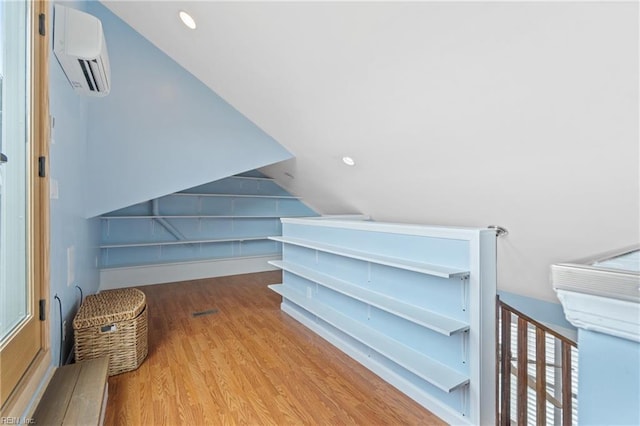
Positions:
(32, 384)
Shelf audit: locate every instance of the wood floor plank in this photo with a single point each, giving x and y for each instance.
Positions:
(247, 363)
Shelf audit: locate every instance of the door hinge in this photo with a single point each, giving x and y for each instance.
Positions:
(42, 306)
(42, 166)
(41, 24)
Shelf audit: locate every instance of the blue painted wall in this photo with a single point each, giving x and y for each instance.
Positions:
(69, 228)
(609, 384)
(161, 130)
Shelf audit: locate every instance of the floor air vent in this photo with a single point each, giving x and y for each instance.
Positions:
(207, 312)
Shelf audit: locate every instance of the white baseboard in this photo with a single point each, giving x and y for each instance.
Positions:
(132, 276)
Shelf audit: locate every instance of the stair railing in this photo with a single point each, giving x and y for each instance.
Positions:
(536, 372)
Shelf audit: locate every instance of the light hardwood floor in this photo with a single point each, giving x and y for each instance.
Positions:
(249, 363)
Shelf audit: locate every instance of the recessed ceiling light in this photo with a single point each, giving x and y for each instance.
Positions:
(187, 19)
(348, 161)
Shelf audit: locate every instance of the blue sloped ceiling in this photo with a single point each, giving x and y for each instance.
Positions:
(161, 130)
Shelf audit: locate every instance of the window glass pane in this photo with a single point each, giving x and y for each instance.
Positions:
(14, 295)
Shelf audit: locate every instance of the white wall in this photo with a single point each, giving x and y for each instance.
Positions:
(522, 115)
(519, 114)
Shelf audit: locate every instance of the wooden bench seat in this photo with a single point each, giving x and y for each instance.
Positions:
(76, 395)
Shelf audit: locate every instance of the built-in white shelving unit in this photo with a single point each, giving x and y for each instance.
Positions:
(413, 313)
(412, 303)
(222, 223)
(431, 371)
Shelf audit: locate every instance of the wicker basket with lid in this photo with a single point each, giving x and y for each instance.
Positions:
(113, 323)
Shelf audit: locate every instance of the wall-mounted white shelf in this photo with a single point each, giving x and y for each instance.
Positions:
(179, 242)
(424, 268)
(426, 318)
(193, 217)
(179, 263)
(250, 178)
(194, 194)
(431, 371)
(230, 218)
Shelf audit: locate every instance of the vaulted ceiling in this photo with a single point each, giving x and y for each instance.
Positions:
(523, 115)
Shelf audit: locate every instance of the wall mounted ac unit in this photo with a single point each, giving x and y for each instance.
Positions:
(81, 50)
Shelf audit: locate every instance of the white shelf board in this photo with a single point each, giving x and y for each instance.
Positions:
(455, 233)
(425, 268)
(196, 194)
(179, 242)
(185, 263)
(423, 317)
(432, 371)
(249, 178)
(194, 217)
